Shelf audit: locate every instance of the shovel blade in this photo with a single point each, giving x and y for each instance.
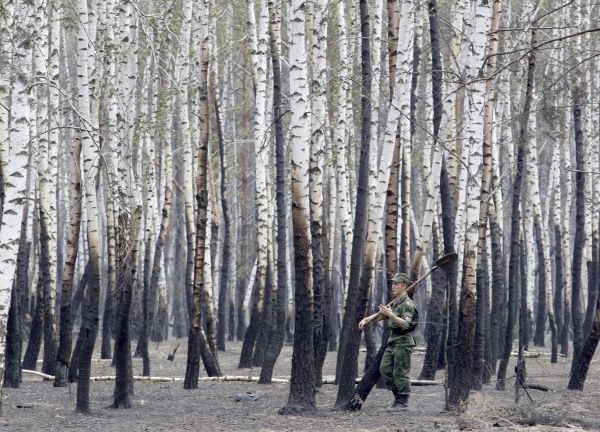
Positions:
(446, 260)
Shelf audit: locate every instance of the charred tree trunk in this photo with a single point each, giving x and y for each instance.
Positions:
(579, 240)
(12, 366)
(448, 218)
(88, 333)
(277, 327)
(593, 286)
(513, 281)
(75, 356)
(35, 333)
(540, 319)
(302, 396)
(109, 298)
(367, 383)
(251, 332)
(521, 367)
(66, 321)
(126, 271)
(49, 295)
(198, 345)
(357, 290)
(486, 373)
(180, 312)
(15, 324)
(224, 278)
(79, 294)
(434, 331)
(262, 338)
(559, 309)
(480, 315)
(436, 314)
(579, 371)
(513, 270)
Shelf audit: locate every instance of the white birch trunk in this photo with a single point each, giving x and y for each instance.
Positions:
(301, 116)
(377, 19)
(450, 99)
(47, 124)
(14, 161)
(565, 211)
(302, 383)
(474, 132)
(400, 104)
(531, 205)
(259, 46)
(6, 20)
(341, 136)
(185, 126)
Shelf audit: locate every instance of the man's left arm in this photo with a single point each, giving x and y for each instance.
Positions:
(401, 321)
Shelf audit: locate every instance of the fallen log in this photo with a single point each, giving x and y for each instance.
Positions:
(533, 354)
(245, 378)
(331, 380)
(537, 387)
(284, 380)
(43, 375)
(138, 378)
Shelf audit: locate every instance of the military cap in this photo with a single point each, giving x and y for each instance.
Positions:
(401, 278)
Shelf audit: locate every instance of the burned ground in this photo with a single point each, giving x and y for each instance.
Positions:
(165, 406)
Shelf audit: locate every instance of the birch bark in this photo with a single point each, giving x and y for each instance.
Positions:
(459, 378)
(14, 111)
(90, 156)
(47, 185)
(302, 383)
(341, 134)
(259, 40)
(319, 135)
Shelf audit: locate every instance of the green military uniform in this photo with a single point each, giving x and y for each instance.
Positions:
(395, 365)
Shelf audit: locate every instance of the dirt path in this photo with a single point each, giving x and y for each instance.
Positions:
(37, 406)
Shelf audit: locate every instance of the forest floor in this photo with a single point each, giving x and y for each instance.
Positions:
(165, 406)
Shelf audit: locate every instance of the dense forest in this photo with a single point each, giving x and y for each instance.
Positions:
(255, 171)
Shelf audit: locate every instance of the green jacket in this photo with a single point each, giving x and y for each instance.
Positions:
(404, 308)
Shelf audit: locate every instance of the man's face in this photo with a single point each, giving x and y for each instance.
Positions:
(398, 288)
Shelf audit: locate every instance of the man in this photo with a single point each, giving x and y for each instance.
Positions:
(403, 319)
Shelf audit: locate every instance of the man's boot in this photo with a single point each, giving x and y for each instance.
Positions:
(400, 402)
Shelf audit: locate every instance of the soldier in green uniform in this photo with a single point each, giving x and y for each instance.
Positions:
(403, 319)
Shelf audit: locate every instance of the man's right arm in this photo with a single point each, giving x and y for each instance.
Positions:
(377, 316)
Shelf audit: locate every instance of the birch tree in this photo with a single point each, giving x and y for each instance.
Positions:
(14, 111)
(259, 39)
(90, 156)
(302, 383)
(197, 341)
(356, 301)
(522, 141)
(47, 183)
(318, 144)
(459, 379)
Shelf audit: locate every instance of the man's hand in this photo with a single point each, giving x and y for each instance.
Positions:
(363, 322)
(386, 310)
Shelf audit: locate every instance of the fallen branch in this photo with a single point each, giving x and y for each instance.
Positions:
(537, 387)
(245, 378)
(533, 354)
(138, 378)
(422, 383)
(43, 375)
(285, 380)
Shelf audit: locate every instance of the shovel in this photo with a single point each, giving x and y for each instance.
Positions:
(441, 262)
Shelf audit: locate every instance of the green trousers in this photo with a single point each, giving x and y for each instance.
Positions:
(395, 365)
